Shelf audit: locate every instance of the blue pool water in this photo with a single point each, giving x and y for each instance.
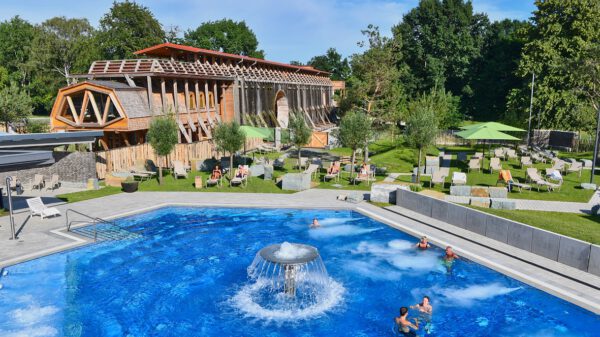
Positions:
(186, 275)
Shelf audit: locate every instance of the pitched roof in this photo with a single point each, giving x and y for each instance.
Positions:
(164, 48)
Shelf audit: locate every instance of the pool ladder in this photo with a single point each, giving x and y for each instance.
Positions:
(108, 231)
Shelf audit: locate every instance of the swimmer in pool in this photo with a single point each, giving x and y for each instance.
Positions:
(315, 223)
(450, 254)
(423, 244)
(425, 311)
(404, 325)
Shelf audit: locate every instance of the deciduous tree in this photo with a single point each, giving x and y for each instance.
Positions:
(421, 130)
(227, 36)
(299, 133)
(162, 135)
(354, 132)
(333, 63)
(15, 105)
(229, 137)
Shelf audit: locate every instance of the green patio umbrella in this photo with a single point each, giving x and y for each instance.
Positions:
(255, 132)
(484, 133)
(493, 126)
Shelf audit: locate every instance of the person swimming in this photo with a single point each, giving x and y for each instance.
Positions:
(404, 325)
(423, 244)
(424, 306)
(315, 223)
(450, 254)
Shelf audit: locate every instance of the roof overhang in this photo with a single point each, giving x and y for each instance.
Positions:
(20, 158)
(47, 140)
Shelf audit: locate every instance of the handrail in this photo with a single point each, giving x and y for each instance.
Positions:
(94, 219)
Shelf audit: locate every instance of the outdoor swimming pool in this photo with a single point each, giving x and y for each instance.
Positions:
(186, 275)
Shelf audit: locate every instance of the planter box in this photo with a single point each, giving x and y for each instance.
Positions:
(129, 187)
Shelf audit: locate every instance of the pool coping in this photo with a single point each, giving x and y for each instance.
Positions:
(374, 212)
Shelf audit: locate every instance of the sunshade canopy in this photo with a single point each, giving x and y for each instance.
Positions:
(254, 132)
(493, 126)
(483, 133)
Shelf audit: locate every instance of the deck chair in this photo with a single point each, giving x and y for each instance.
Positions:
(139, 170)
(495, 165)
(240, 176)
(37, 207)
(333, 172)
(511, 154)
(313, 170)
(369, 176)
(474, 164)
(216, 178)
(38, 182)
(437, 177)
(54, 182)
(459, 178)
(499, 153)
(558, 164)
(279, 163)
(575, 167)
(179, 169)
(505, 177)
(477, 155)
(538, 158)
(526, 161)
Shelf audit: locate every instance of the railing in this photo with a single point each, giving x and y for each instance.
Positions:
(95, 221)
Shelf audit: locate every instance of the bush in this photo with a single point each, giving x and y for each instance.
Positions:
(416, 188)
(36, 126)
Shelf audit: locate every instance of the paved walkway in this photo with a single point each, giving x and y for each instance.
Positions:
(39, 238)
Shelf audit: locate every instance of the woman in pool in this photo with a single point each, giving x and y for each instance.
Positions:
(425, 311)
(315, 223)
(423, 244)
(404, 325)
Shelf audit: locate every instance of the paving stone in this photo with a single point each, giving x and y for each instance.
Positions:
(481, 192)
(461, 191)
(498, 192)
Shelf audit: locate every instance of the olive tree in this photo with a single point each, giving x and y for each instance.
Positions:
(229, 137)
(163, 135)
(421, 130)
(299, 133)
(354, 132)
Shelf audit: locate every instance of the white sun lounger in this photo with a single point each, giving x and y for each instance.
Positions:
(37, 207)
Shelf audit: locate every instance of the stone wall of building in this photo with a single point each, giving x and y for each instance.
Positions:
(71, 167)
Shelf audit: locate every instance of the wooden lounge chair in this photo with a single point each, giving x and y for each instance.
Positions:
(477, 155)
(495, 165)
(526, 161)
(368, 176)
(179, 169)
(216, 178)
(499, 153)
(511, 154)
(505, 177)
(240, 176)
(459, 178)
(38, 182)
(558, 164)
(575, 167)
(474, 164)
(37, 207)
(333, 172)
(313, 170)
(437, 177)
(538, 158)
(54, 182)
(139, 170)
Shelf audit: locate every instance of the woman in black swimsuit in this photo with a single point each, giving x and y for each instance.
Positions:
(423, 244)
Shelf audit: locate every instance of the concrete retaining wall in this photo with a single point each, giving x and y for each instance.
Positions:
(575, 253)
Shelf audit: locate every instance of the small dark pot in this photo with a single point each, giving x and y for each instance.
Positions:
(129, 187)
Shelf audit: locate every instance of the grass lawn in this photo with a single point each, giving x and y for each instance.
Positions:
(580, 226)
(85, 195)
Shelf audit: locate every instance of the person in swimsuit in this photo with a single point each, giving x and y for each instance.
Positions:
(423, 244)
(425, 311)
(315, 223)
(450, 254)
(404, 325)
(216, 173)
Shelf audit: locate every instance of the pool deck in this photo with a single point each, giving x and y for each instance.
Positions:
(42, 237)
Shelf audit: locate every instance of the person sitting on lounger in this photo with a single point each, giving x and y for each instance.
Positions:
(216, 173)
(404, 325)
(240, 172)
(364, 170)
(334, 168)
(315, 223)
(423, 244)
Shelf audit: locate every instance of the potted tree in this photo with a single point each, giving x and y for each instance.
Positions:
(129, 185)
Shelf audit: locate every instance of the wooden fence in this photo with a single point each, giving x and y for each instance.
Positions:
(121, 159)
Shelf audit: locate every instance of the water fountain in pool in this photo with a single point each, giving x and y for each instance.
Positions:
(288, 281)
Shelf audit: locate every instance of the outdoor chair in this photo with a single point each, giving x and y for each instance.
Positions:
(216, 178)
(474, 164)
(495, 165)
(179, 169)
(526, 161)
(303, 162)
(54, 182)
(437, 177)
(499, 153)
(477, 155)
(459, 178)
(279, 163)
(15, 185)
(505, 177)
(368, 176)
(558, 164)
(38, 182)
(538, 158)
(511, 154)
(313, 170)
(37, 207)
(333, 172)
(139, 170)
(240, 176)
(575, 167)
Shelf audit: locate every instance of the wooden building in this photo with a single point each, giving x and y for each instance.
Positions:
(200, 87)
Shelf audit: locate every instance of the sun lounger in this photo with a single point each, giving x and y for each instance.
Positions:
(459, 178)
(333, 172)
(526, 161)
(495, 165)
(575, 167)
(437, 177)
(179, 169)
(474, 164)
(505, 177)
(54, 182)
(477, 155)
(240, 176)
(313, 170)
(139, 170)
(368, 176)
(38, 182)
(511, 154)
(558, 164)
(37, 207)
(499, 153)
(538, 158)
(216, 178)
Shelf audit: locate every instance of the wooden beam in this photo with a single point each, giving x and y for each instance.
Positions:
(216, 99)
(95, 107)
(105, 112)
(149, 90)
(207, 105)
(163, 95)
(186, 92)
(175, 97)
(73, 111)
(83, 107)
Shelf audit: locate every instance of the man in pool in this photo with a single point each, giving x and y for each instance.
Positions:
(315, 223)
(404, 325)
(450, 255)
(423, 244)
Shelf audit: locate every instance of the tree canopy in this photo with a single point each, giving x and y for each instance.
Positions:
(355, 131)
(299, 132)
(421, 129)
(229, 137)
(127, 27)
(163, 135)
(15, 104)
(333, 63)
(227, 36)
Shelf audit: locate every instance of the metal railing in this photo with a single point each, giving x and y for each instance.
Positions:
(10, 207)
(94, 222)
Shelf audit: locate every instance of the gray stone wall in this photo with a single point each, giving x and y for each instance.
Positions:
(72, 167)
(575, 253)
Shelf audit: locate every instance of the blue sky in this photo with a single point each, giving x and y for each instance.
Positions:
(286, 29)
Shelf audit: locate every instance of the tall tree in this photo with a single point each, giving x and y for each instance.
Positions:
(15, 105)
(299, 133)
(444, 105)
(127, 27)
(16, 36)
(333, 63)
(421, 130)
(162, 135)
(494, 72)
(354, 132)
(561, 31)
(227, 36)
(440, 39)
(229, 137)
(374, 82)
